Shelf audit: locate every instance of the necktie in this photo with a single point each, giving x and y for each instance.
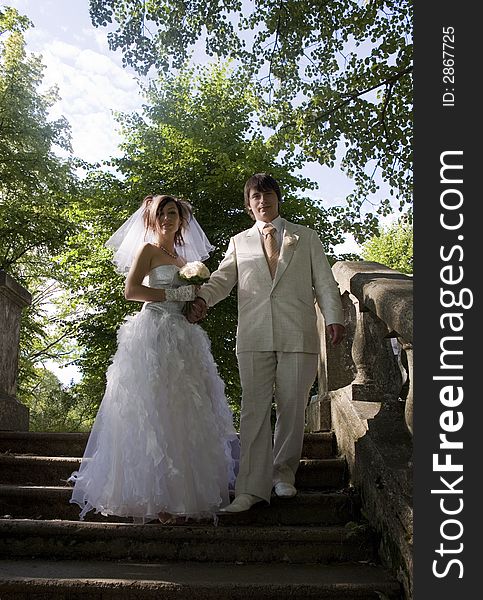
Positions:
(271, 247)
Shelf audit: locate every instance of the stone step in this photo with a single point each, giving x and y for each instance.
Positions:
(43, 443)
(25, 469)
(127, 580)
(319, 445)
(307, 508)
(69, 540)
(316, 445)
(322, 474)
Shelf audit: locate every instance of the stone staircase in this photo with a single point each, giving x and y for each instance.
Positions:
(315, 545)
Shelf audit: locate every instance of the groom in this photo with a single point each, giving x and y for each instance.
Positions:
(281, 270)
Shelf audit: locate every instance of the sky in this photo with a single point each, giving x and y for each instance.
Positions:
(93, 84)
(91, 80)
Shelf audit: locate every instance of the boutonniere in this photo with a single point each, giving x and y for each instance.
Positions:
(290, 240)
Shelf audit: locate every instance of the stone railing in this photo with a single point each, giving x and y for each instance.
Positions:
(379, 303)
(364, 398)
(14, 416)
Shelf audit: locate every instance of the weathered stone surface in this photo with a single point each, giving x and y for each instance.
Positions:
(382, 308)
(385, 292)
(73, 540)
(326, 473)
(313, 527)
(336, 366)
(14, 416)
(306, 508)
(378, 450)
(363, 382)
(317, 414)
(101, 580)
(41, 443)
(13, 297)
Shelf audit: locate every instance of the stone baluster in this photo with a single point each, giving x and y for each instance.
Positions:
(408, 411)
(377, 372)
(14, 416)
(377, 304)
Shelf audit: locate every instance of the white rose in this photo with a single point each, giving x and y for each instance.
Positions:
(194, 270)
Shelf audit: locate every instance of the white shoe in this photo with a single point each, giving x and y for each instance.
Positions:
(241, 503)
(285, 490)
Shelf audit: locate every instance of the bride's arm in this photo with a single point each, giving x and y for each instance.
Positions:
(134, 288)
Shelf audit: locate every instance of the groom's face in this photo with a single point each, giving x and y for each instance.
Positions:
(264, 205)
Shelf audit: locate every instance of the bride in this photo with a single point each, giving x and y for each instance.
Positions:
(161, 444)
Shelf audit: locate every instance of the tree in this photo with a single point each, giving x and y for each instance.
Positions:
(12, 21)
(34, 182)
(393, 247)
(194, 139)
(35, 187)
(53, 406)
(333, 77)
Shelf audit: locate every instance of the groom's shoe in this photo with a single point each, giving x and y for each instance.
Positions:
(285, 490)
(241, 503)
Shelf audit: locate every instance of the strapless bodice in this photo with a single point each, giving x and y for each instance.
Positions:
(164, 276)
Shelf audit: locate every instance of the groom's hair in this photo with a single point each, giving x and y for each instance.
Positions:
(261, 182)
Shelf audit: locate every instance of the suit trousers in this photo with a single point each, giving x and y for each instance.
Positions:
(286, 378)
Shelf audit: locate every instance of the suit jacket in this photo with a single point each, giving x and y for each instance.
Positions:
(277, 315)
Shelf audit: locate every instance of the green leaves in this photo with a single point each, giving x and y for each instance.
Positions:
(12, 21)
(323, 73)
(34, 182)
(35, 190)
(393, 247)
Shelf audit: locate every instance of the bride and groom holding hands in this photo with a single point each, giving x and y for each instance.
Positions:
(162, 442)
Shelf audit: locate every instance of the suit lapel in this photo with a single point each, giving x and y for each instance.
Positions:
(289, 243)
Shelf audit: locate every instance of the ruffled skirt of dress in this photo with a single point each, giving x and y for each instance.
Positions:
(163, 438)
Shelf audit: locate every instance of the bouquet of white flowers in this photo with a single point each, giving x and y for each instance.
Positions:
(194, 273)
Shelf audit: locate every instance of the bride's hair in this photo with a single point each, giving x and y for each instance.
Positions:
(153, 205)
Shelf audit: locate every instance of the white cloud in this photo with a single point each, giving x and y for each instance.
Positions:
(61, 50)
(91, 87)
(96, 137)
(91, 81)
(95, 63)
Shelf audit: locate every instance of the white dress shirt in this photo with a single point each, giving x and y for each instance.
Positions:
(278, 224)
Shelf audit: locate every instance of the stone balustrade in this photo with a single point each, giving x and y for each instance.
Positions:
(378, 308)
(363, 397)
(14, 416)
(379, 301)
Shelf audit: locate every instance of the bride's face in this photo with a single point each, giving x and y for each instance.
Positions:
(169, 219)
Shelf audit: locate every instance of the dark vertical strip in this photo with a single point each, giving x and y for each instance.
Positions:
(447, 314)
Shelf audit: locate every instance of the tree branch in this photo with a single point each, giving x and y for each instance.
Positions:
(382, 118)
(275, 45)
(44, 351)
(350, 97)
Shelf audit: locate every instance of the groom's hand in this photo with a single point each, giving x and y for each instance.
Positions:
(336, 333)
(197, 310)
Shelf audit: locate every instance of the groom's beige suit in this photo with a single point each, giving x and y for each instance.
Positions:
(277, 344)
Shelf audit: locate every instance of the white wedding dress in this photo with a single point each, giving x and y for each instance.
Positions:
(163, 439)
